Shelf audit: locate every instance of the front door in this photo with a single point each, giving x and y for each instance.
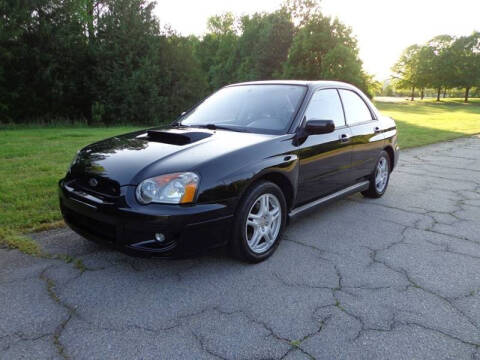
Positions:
(325, 159)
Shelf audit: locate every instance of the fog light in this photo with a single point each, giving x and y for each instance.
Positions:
(159, 237)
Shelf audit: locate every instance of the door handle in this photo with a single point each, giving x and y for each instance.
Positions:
(345, 138)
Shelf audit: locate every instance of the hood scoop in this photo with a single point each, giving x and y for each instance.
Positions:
(177, 138)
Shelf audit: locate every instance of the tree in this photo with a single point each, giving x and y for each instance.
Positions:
(125, 52)
(325, 49)
(217, 52)
(109, 62)
(466, 50)
(14, 18)
(374, 86)
(263, 45)
(187, 83)
(141, 74)
(407, 69)
(48, 62)
(301, 11)
(425, 73)
(442, 63)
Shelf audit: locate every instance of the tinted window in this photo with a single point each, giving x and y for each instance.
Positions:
(261, 108)
(326, 105)
(356, 111)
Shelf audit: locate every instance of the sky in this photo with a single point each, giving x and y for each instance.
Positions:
(384, 28)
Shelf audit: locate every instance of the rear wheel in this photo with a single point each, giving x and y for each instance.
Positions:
(380, 177)
(259, 222)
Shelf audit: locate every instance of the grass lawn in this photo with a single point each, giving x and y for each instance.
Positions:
(426, 122)
(32, 160)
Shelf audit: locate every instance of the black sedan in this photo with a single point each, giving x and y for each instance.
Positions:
(232, 170)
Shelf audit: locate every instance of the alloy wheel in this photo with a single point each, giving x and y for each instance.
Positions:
(263, 223)
(381, 175)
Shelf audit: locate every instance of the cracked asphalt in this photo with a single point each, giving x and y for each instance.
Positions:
(392, 278)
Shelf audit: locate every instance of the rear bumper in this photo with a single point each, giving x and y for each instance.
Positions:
(131, 227)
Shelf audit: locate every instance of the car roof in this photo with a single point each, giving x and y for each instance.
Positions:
(309, 83)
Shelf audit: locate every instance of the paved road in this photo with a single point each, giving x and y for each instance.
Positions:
(394, 278)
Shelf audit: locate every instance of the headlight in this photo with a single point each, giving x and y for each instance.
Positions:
(177, 188)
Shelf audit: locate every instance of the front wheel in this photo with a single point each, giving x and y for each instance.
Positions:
(259, 222)
(380, 177)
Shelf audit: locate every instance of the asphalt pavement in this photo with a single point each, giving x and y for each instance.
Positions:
(391, 278)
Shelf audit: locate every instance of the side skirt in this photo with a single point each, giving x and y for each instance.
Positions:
(324, 200)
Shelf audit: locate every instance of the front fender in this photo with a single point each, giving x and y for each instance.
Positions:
(236, 183)
(284, 165)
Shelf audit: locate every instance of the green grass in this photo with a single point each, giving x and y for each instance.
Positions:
(33, 159)
(426, 122)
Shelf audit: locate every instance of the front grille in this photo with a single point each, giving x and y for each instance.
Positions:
(92, 226)
(102, 187)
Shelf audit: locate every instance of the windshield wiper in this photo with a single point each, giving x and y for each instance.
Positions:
(216, 127)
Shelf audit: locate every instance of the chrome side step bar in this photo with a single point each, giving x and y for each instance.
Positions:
(344, 192)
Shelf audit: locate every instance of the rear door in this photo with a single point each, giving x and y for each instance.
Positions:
(325, 159)
(367, 139)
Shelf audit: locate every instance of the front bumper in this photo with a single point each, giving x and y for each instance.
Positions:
(124, 224)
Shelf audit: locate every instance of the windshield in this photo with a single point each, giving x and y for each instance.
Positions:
(255, 108)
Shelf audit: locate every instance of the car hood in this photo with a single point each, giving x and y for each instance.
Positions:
(128, 159)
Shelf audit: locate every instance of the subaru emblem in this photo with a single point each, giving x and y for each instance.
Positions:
(93, 182)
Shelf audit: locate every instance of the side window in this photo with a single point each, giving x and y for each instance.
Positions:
(326, 105)
(356, 111)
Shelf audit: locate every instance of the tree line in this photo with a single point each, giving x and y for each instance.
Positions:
(445, 62)
(110, 61)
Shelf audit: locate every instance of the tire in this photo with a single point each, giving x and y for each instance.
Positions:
(379, 178)
(258, 239)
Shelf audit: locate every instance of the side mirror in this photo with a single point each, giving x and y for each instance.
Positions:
(315, 127)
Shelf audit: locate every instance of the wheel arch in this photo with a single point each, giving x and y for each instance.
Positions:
(391, 155)
(279, 179)
(284, 184)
